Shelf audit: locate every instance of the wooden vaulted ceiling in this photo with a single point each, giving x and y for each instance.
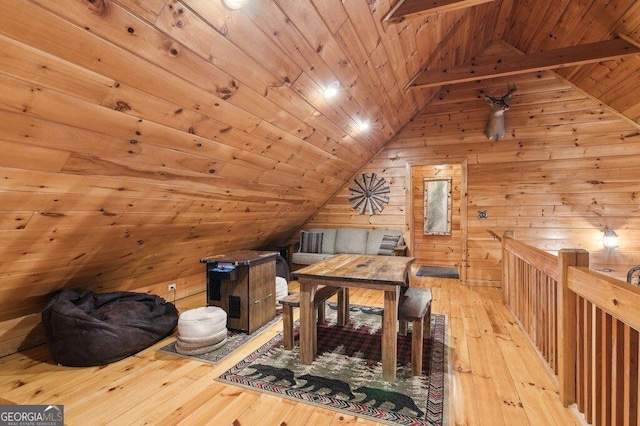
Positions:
(140, 135)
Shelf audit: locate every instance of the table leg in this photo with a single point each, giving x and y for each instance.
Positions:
(343, 306)
(307, 321)
(390, 334)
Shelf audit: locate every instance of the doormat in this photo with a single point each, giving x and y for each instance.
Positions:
(438, 272)
(346, 375)
(235, 339)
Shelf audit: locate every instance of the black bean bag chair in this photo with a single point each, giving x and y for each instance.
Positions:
(86, 328)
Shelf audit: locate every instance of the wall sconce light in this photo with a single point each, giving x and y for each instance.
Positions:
(331, 90)
(235, 4)
(610, 239)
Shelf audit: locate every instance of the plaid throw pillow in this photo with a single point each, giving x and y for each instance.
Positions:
(311, 242)
(389, 242)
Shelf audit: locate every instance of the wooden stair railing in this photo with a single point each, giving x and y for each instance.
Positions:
(607, 320)
(584, 325)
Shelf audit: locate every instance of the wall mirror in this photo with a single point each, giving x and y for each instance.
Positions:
(437, 206)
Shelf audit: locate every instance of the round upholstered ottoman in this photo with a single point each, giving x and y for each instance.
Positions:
(282, 289)
(201, 330)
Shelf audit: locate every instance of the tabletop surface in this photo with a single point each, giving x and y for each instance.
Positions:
(359, 267)
(241, 257)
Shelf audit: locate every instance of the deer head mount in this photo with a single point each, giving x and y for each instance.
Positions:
(495, 127)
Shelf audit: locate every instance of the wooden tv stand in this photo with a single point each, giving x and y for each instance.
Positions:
(243, 284)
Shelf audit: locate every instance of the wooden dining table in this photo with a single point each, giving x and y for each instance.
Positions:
(385, 273)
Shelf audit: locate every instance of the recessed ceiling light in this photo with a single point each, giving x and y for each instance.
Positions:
(332, 90)
(235, 4)
(364, 125)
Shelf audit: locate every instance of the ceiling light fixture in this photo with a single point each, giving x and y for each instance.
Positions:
(332, 90)
(235, 4)
(363, 126)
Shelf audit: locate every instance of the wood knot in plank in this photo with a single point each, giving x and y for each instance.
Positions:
(52, 214)
(106, 213)
(99, 7)
(170, 48)
(122, 106)
(223, 92)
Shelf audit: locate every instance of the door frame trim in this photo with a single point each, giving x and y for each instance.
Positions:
(408, 215)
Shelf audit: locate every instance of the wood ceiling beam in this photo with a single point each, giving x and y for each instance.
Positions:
(412, 8)
(514, 64)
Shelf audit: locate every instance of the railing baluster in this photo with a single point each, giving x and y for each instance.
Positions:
(606, 366)
(601, 384)
(636, 408)
(579, 356)
(588, 355)
(617, 372)
(630, 376)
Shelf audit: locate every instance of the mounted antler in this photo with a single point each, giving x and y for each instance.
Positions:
(495, 127)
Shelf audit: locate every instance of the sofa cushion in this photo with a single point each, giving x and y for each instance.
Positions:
(375, 237)
(309, 258)
(311, 242)
(388, 245)
(351, 240)
(328, 239)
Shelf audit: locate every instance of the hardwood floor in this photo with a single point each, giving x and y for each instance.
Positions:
(496, 378)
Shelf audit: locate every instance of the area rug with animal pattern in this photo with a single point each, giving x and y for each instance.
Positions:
(346, 374)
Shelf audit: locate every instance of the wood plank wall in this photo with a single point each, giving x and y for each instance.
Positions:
(566, 169)
(139, 136)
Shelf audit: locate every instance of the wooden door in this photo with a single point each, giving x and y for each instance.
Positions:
(439, 250)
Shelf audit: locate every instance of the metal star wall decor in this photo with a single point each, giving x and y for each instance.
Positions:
(369, 194)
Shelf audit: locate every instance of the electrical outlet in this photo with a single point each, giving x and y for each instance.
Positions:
(172, 287)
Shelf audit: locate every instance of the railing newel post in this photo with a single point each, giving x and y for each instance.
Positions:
(506, 268)
(568, 324)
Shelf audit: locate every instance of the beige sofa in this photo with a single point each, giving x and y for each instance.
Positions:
(350, 240)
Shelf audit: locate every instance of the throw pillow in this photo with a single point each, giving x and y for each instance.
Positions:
(311, 242)
(389, 242)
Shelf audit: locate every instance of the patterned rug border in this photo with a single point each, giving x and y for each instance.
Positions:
(339, 405)
(226, 350)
